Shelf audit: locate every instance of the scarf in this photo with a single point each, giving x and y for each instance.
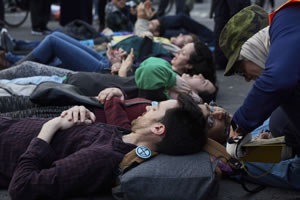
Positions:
(256, 48)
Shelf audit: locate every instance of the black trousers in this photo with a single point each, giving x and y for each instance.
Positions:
(76, 9)
(1, 10)
(223, 11)
(40, 13)
(281, 125)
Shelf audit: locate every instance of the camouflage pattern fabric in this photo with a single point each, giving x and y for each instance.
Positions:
(118, 20)
(238, 30)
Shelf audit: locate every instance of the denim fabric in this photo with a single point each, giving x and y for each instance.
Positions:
(21, 44)
(73, 55)
(285, 174)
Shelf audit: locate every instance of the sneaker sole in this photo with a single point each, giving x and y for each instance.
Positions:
(36, 33)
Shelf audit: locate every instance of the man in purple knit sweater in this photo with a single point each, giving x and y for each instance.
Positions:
(71, 155)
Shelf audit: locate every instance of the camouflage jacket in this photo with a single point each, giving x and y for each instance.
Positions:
(119, 20)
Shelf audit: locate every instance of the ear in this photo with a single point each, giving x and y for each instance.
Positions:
(158, 129)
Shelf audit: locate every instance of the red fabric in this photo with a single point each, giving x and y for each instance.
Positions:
(116, 113)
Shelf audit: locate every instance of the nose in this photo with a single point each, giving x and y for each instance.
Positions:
(218, 114)
(201, 76)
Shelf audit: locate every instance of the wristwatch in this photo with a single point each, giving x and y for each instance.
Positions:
(238, 129)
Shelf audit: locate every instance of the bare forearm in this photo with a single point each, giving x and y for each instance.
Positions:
(49, 129)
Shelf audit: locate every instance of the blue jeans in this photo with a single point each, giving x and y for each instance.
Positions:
(73, 55)
(285, 174)
(182, 23)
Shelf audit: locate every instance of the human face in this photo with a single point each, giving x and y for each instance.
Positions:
(153, 114)
(180, 61)
(181, 40)
(218, 121)
(199, 84)
(153, 27)
(119, 3)
(249, 70)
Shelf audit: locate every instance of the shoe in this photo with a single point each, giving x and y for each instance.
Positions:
(7, 41)
(46, 30)
(37, 31)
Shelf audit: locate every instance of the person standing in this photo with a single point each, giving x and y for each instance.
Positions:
(1, 14)
(40, 14)
(76, 9)
(277, 86)
(223, 10)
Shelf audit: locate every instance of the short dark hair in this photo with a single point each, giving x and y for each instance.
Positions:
(194, 37)
(202, 62)
(207, 96)
(186, 130)
(161, 28)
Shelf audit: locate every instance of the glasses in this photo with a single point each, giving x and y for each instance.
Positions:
(210, 119)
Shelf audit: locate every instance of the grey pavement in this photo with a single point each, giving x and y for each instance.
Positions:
(232, 92)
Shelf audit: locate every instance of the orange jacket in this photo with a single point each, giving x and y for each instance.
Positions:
(283, 5)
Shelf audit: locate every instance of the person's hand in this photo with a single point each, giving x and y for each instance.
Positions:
(181, 85)
(264, 135)
(77, 115)
(107, 32)
(196, 97)
(126, 65)
(111, 56)
(108, 93)
(148, 9)
(144, 10)
(115, 56)
(115, 68)
(141, 11)
(121, 54)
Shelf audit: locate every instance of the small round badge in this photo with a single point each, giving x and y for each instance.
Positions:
(143, 152)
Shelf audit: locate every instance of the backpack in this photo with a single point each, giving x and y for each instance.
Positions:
(166, 177)
(80, 30)
(179, 177)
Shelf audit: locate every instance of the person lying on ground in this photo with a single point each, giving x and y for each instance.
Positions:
(192, 59)
(284, 174)
(82, 154)
(170, 26)
(81, 58)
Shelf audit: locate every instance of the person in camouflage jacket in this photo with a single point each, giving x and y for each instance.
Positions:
(119, 17)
